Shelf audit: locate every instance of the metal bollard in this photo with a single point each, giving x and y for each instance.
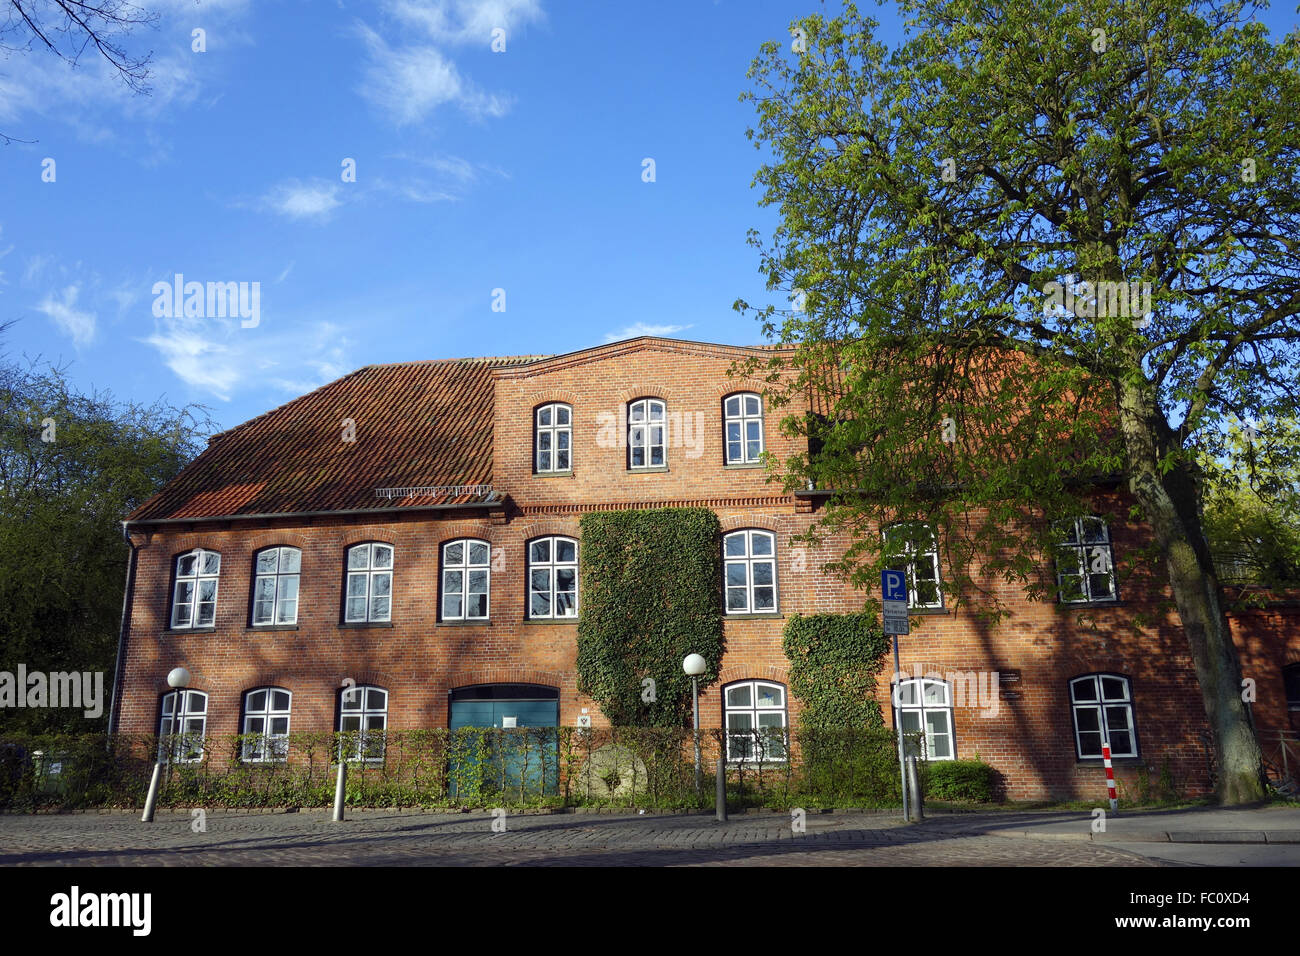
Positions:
(340, 786)
(721, 795)
(914, 784)
(151, 801)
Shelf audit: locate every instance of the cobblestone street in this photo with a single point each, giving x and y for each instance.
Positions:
(413, 838)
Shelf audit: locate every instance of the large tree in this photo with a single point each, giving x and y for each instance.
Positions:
(71, 466)
(1036, 246)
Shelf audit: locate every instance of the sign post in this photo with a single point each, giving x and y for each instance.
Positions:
(893, 601)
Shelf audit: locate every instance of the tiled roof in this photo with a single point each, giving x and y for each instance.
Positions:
(418, 425)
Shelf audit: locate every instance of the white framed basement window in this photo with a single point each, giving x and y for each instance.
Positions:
(755, 718)
(266, 715)
(924, 705)
(1098, 697)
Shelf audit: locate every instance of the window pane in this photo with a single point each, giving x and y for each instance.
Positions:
(254, 725)
(764, 598)
(566, 550)
(656, 411)
(754, 450)
(739, 696)
(764, 572)
(451, 605)
(736, 599)
(211, 562)
(566, 603)
(381, 584)
(638, 456)
(268, 561)
(359, 558)
(1088, 718)
(1090, 744)
(562, 414)
(540, 604)
(562, 461)
(544, 415)
(476, 605)
(736, 576)
(752, 406)
(376, 700)
(185, 565)
(290, 560)
(453, 582)
(257, 700)
(637, 412)
(380, 608)
(356, 609)
(279, 725)
(657, 456)
(1112, 688)
(280, 700)
(565, 579)
(478, 582)
(562, 440)
(1084, 690)
(383, 556)
(911, 721)
(733, 406)
(761, 543)
(735, 545)
(479, 554)
(770, 695)
(740, 721)
(733, 451)
(540, 580)
(1121, 743)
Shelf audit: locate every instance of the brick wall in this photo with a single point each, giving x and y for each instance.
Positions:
(1028, 735)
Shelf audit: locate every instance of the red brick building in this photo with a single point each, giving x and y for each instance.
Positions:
(413, 529)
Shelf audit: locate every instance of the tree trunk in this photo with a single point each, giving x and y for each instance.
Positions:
(1171, 505)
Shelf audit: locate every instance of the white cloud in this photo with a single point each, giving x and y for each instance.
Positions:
(298, 200)
(409, 83)
(62, 310)
(219, 357)
(465, 21)
(641, 328)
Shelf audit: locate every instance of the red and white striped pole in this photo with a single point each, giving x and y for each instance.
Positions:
(1110, 778)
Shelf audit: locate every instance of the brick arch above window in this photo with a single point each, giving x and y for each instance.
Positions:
(759, 522)
(734, 386)
(548, 396)
(542, 529)
(506, 674)
(273, 539)
(368, 536)
(734, 673)
(188, 542)
(197, 682)
(637, 392)
(366, 678)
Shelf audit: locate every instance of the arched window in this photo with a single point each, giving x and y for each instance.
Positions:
(370, 583)
(552, 577)
(466, 580)
(1102, 705)
(647, 428)
(1085, 561)
(913, 549)
(181, 738)
(553, 442)
(194, 598)
(266, 714)
(924, 705)
(363, 712)
(275, 586)
(755, 718)
(749, 559)
(743, 425)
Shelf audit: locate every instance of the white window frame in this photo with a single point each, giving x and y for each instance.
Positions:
(1101, 706)
(369, 574)
(1084, 556)
(172, 743)
(747, 560)
(923, 708)
(270, 746)
(745, 746)
(196, 580)
(279, 581)
(743, 419)
(551, 568)
(910, 556)
(355, 702)
(553, 430)
(645, 424)
(464, 567)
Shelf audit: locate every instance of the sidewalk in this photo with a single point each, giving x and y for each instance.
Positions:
(1197, 825)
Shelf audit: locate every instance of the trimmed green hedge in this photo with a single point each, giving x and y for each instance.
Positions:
(961, 780)
(649, 598)
(834, 660)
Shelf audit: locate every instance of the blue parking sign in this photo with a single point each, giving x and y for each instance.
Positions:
(893, 586)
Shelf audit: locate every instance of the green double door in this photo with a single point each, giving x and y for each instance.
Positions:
(521, 760)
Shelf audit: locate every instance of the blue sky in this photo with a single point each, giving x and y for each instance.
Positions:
(475, 171)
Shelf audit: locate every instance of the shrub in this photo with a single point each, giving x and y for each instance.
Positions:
(965, 780)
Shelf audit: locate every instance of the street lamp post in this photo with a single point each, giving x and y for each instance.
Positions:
(178, 680)
(694, 665)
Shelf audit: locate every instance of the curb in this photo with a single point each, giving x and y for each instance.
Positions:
(1142, 836)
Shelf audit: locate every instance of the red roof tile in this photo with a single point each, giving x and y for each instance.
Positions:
(418, 425)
